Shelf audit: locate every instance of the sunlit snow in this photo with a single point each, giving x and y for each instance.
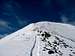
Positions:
(40, 39)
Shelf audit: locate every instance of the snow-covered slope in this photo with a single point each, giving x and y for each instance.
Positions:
(40, 39)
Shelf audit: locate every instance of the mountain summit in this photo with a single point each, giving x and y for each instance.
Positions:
(40, 39)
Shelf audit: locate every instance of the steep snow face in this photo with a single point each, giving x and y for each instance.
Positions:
(40, 39)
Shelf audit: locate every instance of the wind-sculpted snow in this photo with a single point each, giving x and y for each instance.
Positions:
(40, 39)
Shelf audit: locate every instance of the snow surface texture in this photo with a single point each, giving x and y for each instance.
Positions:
(40, 39)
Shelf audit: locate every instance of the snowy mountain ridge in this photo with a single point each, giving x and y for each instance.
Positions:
(40, 39)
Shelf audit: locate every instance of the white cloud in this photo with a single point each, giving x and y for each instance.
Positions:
(73, 23)
(64, 19)
(20, 21)
(1, 36)
(4, 25)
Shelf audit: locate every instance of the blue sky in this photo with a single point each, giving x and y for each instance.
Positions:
(15, 14)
